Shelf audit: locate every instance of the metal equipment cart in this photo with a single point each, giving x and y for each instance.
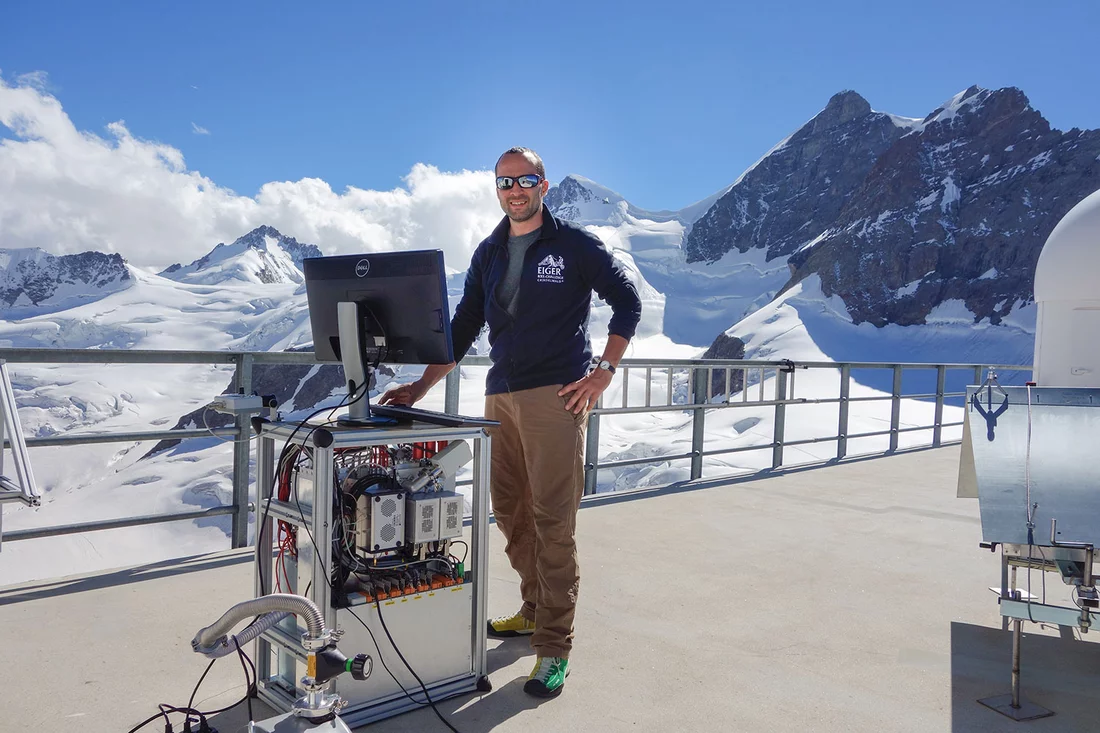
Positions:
(440, 633)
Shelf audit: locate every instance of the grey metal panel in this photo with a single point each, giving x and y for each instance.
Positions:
(432, 630)
(1063, 471)
(1041, 613)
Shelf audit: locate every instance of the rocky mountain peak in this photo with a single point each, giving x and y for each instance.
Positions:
(36, 280)
(794, 192)
(569, 191)
(843, 107)
(956, 211)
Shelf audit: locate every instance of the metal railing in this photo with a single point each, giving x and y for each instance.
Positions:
(688, 386)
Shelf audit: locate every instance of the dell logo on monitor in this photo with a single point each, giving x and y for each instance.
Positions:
(362, 267)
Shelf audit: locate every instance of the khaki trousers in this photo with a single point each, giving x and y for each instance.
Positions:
(536, 487)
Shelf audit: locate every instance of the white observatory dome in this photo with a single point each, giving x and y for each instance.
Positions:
(1067, 289)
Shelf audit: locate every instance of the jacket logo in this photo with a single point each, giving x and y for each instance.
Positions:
(551, 270)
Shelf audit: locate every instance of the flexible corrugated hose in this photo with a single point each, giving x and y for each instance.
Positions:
(211, 641)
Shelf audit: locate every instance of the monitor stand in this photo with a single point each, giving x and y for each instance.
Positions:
(359, 361)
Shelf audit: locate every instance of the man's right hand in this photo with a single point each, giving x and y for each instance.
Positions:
(406, 394)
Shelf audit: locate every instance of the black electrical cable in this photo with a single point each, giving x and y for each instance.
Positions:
(383, 661)
(195, 692)
(409, 667)
(164, 709)
(464, 552)
(247, 681)
(189, 711)
(200, 714)
(151, 718)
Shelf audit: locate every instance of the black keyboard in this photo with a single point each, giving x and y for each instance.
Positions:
(403, 413)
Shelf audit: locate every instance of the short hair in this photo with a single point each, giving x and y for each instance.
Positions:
(531, 155)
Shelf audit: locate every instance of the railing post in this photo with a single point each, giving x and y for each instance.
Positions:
(592, 451)
(780, 416)
(937, 427)
(842, 428)
(450, 397)
(895, 409)
(700, 386)
(242, 378)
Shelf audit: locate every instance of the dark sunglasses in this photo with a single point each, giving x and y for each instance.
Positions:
(528, 181)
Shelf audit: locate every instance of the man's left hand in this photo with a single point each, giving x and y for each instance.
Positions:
(586, 391)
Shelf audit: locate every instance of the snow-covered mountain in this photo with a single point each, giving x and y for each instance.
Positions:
(956, 211)
(903, 222)
(261, 256)
(581, 200)
(901, 217)
(32, 280)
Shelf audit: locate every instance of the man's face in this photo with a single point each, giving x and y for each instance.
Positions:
(520, 204)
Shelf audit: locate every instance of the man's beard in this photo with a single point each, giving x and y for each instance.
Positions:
(523, 214)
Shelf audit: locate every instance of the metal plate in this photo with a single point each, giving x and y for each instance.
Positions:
(1027, 710)
(1063, 469)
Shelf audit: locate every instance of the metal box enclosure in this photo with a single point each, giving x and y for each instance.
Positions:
(450, 515)
(380, 520)
(1038, 448)
(422, 518)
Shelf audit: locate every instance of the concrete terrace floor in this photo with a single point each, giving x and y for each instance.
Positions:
(848, 597)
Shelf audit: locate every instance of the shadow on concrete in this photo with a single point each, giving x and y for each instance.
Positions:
(1058, 673)
(80, 584)
(507, 653)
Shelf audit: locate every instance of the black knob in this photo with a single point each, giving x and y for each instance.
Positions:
(359, 666)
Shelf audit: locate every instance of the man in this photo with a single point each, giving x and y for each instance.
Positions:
(531, 281)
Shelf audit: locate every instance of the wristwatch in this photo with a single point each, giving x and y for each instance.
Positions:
(603, 364)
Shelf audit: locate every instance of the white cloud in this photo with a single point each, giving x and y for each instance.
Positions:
(199, 130)
(36, 79)
(67, 190)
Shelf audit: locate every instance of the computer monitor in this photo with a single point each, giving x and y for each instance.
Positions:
(381, 307)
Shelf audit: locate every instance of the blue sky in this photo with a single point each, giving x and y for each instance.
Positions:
(664, 102)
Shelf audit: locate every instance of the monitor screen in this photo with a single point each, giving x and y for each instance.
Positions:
(402, 297)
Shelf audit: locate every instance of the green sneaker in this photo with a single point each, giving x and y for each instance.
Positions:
(503, 627)
(547, 679)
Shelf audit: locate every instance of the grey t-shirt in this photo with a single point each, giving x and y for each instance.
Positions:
(508, 290)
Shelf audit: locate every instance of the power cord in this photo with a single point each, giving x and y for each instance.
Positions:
(464, 552)
(190, 711)
(248, 684)
(383, 660)
(411, 670)
(191, 700)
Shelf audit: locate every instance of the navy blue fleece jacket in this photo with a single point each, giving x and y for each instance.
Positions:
(547, 342)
